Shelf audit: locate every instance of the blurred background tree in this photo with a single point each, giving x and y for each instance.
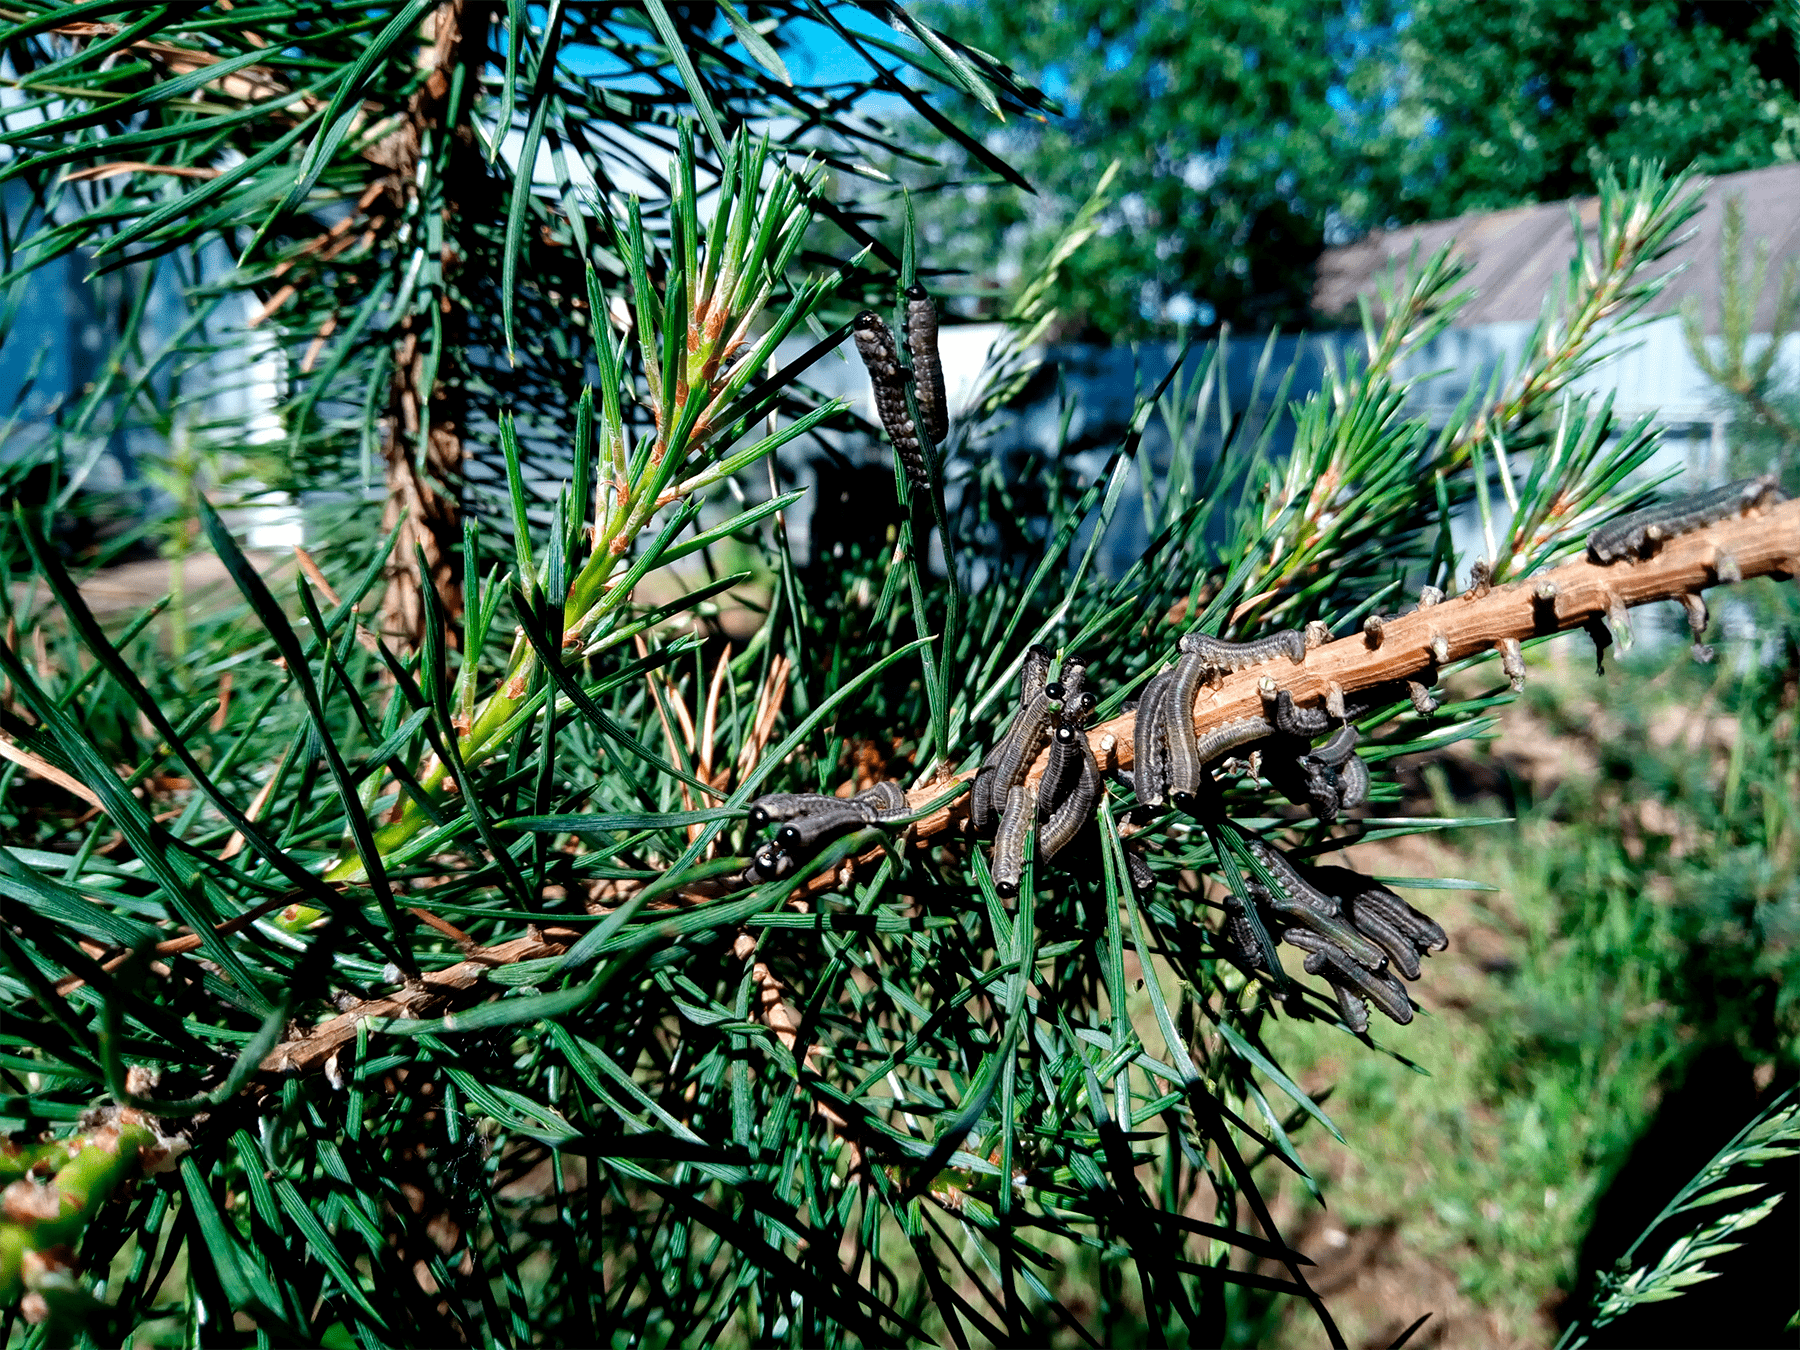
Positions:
(1259, 131)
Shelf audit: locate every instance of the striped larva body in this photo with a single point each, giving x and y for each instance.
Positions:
(1298, 888)
(928, 370)
(809, 818)
(1222, 658)
(989, 795)
(1391, 940)
(1364, 899)
(1353, 783)
(1074, 810)
(1336, 750)
(1148, 736)
(1351, 1007)
(1069, 688)
(1239, 938)
(1177, 716)
(1222, 740)
(1292, 720)
(1377, 986)
(1009, 842)
(806, 833)
(875, 343)
(1299, 904)
(1071, 783)
(1333, 930)
(883, 802)
(1640, 533)
(775, 807)
(1310, 907)
(1062, 770)
(1023, 741)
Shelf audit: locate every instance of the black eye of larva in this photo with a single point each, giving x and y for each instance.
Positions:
(1066, 735)
(1053, 690)
(915, 292)
(867, 320)
(788, 837)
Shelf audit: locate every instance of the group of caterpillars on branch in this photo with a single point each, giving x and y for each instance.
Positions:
(1350, 944)
(809, 820)
(1357, 934)
(1003, 804)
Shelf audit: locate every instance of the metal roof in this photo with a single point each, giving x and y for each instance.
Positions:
(1520, 254)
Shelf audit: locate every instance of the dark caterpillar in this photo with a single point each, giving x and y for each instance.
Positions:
(1074, 810)
(928, 370)
(810, 818)
(1063, 770)
(1222, 658)
(1302, 902)
(773, 807)
(1641, 533)
(1186, 764)
(1149, 742)
(1365, 899)
(1352, 982)
(875, 343)
(1009, 843)
(833, 816)
(1005, 764)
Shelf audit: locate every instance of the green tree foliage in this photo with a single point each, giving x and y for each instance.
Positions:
(1762, 396)
(1257, 130)
(1495, 105)
(1221, 111)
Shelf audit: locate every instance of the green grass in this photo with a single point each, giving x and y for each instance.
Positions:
(1644, 917)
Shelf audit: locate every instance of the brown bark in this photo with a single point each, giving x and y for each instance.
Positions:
(1766, 544)
(431, 995)
(426, 497)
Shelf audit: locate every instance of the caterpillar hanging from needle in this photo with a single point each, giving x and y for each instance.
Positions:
(928, 370)
(875, 344)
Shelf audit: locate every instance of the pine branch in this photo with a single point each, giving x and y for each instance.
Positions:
(1580, 593)
(430, 994)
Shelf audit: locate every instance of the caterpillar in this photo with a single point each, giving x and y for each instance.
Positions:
(774, 807)
(1222, 658)
(1069, 815)
(1009, 843)
(1148, 736)
(1353, 783)
(928, 370)
(1006, 762)
(875, 343)
(1367, 898)
(809, 818)
(1185, 761)
(1344, 974)
(1640, 533)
